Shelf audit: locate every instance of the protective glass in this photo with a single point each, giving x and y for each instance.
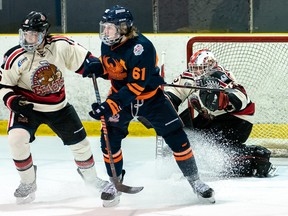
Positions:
(30, 40)
(109, 33)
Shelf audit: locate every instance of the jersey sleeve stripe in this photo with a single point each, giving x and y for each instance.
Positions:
(132, 89)
(12, 57)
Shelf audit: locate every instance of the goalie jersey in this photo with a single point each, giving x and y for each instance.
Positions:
(240, 104)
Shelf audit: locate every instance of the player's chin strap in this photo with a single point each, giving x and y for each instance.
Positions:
(136, 106)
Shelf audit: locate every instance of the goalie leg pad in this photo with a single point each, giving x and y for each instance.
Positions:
(261, 165)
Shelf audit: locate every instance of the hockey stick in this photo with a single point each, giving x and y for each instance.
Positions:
(119, 186)
(144, 122)
(193, 87)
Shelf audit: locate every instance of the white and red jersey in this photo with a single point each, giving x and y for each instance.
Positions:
(245, 108)
(39, 75)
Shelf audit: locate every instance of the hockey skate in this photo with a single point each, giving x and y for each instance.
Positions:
(272, 171)
(94, 182)
(203, 191)
(110, 195)
(25, 193)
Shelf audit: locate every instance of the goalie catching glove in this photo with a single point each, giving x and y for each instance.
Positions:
(213, 100)
(18, 104)
(106, 109)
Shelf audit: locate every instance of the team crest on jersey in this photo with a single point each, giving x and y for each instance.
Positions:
(138, 49)
(47, 79)
(115, 68)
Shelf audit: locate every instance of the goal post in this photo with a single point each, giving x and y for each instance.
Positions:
(260, 64)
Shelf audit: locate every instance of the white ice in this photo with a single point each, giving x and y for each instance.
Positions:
(61, 191)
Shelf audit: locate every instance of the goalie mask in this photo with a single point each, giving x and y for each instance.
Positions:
(201, 63)
(115, 23)
(33, 31)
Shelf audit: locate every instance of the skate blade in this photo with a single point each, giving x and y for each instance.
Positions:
(207, 200)
(24, 200)
(111, 203)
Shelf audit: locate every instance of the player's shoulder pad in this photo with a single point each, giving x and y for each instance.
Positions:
(11, 55)
(54, 38)
(186, 74)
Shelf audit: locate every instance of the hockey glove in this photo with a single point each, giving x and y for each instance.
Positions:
(92, 65)
(195, 103)
(18, 104)
(216, 100)
(106, 109)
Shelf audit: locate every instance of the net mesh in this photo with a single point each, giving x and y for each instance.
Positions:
(260, 65)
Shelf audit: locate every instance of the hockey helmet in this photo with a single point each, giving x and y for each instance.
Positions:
(202, 62)
(116, 22)
(35, 24)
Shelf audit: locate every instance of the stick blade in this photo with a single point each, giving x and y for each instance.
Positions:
(128, 189)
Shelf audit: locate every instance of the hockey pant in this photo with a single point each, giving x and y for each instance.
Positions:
(161, 114)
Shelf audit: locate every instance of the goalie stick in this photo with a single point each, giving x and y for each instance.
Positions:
(193, 87)
(119, 186)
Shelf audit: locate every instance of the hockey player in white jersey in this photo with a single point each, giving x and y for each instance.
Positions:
(32, 88)
(228, 112)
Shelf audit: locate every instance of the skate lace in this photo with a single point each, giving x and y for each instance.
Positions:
(200, 187)
(110, 189)
(100, 183)
(25, 189)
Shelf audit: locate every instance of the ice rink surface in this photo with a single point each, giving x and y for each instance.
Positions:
(61, 191)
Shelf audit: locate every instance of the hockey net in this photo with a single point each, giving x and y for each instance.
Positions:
(260, 64)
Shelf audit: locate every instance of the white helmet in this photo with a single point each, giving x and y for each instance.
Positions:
(201, 62)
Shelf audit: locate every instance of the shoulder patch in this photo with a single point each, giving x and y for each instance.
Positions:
(21, 61)
(138, 49)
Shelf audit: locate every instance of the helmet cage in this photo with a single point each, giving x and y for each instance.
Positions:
(202, 63)
(35, 24)
(32, 46)
(109, 33)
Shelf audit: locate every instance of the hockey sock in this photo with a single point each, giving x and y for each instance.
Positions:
(84, 160)
(18, 140)
(187, 164)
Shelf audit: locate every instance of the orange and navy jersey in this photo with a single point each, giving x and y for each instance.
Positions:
(132, 68)
(39, 76)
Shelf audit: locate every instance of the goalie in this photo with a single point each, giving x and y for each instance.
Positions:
(224, 115)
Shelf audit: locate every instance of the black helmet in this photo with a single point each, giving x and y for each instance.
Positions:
(118, 15)
(35, 21)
